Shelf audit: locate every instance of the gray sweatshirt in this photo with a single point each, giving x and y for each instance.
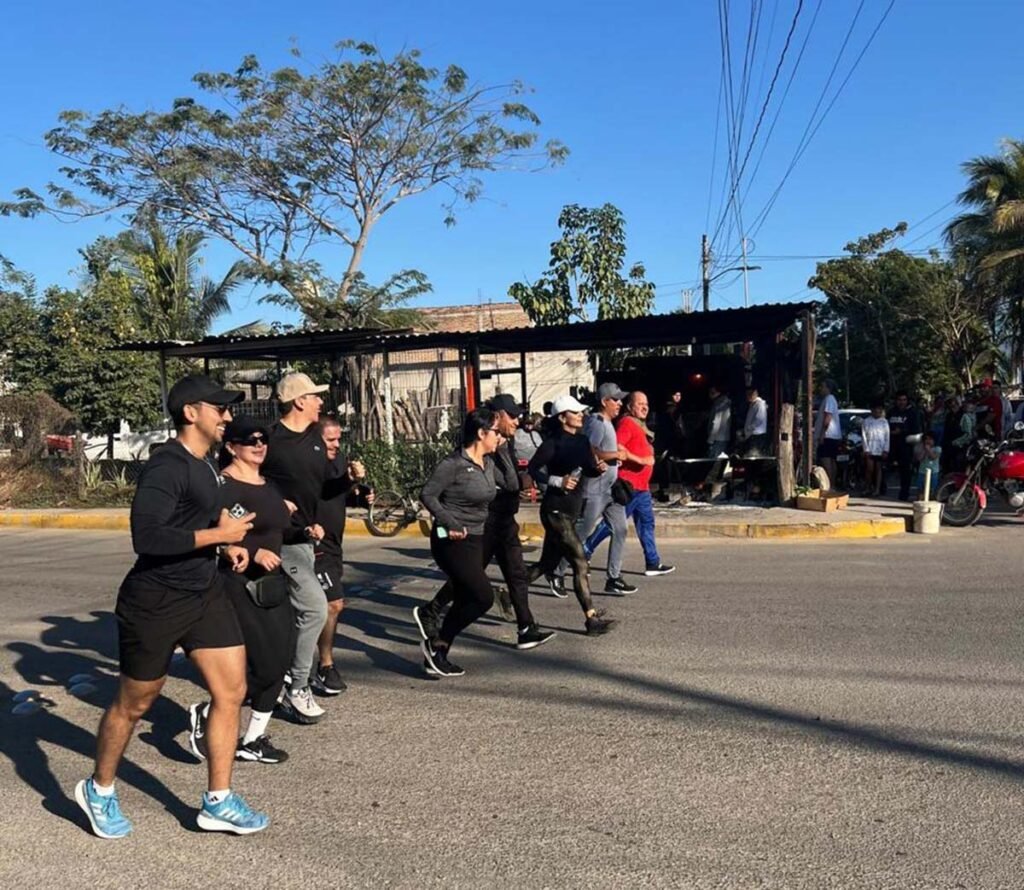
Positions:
(459, 493)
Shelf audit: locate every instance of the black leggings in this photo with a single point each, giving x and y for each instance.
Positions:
(472, 595)
(269, 643)
(501, 540)
(562, 542)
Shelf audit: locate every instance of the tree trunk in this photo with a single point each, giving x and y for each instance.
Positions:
(784, 454)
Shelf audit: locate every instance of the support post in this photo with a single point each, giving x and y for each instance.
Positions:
(473, 376)
(786, 479)
(808, 338)
(522, 378)
(705, 271)
(163, 391)
(389, 407)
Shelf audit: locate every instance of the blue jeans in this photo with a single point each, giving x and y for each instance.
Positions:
(641, 508)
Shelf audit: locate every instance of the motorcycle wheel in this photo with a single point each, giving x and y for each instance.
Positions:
(962, 511)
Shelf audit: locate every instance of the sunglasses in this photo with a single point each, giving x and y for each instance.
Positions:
(220, 409)
(252, 441)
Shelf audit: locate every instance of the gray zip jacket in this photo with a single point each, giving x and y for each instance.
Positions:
(459, 493)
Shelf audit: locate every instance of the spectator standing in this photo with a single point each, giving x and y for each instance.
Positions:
(989, 412)
(968, 428)
(755, 427)
(875, 434)
(636, 469)
(528, 438)
(927, 454)
(937, 417)
(1007, 409)
(950, 431)
(719, 423)
(904, 421)
(827, 431)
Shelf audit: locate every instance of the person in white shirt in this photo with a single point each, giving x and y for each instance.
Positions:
(827, 431)
(875, 434)
(755, 427)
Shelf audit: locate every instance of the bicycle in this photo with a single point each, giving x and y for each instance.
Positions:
(391, 512)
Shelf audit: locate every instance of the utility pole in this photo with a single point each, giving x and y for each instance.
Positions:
(705, 271)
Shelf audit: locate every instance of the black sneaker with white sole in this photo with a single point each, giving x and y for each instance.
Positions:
(436, 663)
(426, 622)
(531, 637)
(659, 569)
(557, 586)
(618, 586)
(197, 730)
(260, 750)
(327, 681)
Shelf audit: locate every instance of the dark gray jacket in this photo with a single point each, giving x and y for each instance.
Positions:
(459, 493)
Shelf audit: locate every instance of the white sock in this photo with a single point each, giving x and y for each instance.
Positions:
(102, 790)
(258, 722)
(217, 796)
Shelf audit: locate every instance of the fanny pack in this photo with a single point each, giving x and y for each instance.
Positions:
(622, 492)
(269, 591)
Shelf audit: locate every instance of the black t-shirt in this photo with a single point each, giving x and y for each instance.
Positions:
(330, 509)
(272, 525)
(177, 495)
(560, 455)
(297, 464)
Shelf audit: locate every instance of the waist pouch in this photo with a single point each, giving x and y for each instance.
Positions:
(622, 492)
(269, 591)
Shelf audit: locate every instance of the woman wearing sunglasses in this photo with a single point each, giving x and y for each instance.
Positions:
(260, 593)
(458, 495)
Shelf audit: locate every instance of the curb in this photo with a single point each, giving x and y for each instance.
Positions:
(844, 529)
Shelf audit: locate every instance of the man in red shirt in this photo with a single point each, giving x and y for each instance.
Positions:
(992, 416)
(636, 469)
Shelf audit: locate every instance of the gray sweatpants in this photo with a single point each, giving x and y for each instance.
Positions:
(310, 604)
(597, 506)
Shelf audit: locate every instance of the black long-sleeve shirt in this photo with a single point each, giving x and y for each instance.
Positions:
(459, 493)
(330, 509)
(177, 495)
(558, 457)
(297, 464)
(506, 478)
(272, 525)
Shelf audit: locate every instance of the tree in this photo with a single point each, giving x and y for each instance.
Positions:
(173, 301)
(585, 272)
(23, 349)
(285, 163)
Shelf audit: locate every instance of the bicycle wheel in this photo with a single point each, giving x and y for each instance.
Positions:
(389, 514)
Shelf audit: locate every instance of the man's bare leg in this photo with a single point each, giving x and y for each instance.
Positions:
(134, 698)
(223, 672)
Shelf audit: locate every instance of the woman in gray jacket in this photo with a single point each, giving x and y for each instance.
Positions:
(458, 495)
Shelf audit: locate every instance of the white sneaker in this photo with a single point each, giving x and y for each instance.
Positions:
(303, 706)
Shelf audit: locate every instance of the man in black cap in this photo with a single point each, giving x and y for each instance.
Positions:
(501, 538)
(173, 597)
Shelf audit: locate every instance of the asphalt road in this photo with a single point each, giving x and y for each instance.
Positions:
(834, 714)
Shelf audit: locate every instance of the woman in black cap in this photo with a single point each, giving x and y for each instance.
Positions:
(260, 593)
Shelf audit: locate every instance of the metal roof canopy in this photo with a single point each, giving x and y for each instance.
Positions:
(719, 326)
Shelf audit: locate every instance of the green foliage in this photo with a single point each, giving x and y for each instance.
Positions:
(23, 348)
(282, 161)
(584, 277)
(403, 466)
(913, 322)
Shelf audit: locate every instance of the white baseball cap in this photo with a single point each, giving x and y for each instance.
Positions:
(566, 403)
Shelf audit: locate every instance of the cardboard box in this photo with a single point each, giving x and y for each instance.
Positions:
(823, 502)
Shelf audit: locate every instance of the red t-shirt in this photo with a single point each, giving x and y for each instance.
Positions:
(631, 437)
(994, 414)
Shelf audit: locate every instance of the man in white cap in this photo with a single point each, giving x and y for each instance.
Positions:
(297, 464)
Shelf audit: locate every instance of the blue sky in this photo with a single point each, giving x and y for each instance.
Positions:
(632, 89)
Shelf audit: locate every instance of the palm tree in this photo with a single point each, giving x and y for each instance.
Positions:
(174, 301)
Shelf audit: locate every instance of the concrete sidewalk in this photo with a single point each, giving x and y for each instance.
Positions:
(864, 518)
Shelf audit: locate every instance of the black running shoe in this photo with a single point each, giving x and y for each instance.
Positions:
(531, 637)
(436, 662)
(597, 626)
(260, 750)
(659, 569)
(618, 586)
(557, 586)
(426, 622)
(197, 730)
(327, 681)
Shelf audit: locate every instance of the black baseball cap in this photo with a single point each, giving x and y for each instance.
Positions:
(506, 403)
(242, 428)
(200, 388)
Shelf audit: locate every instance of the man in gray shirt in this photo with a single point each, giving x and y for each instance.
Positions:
(597, 492)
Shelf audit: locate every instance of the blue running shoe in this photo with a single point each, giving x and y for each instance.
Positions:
(231, 814)
(104, 813)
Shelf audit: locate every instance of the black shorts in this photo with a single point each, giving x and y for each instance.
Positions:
(828, 448)
(154, 619)
(329, 569)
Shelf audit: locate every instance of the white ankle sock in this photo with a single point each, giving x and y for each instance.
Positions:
(258, 722)
(217, 796)
(102, 790)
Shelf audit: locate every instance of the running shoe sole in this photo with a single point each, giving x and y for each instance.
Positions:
(428, 656)
(84, 804)
(419, 623)
(209, 823)
(318, 686)
(249, 757)
(533, 644)
(561, 594)
(193, 722)
(296, 715)
(651, 573)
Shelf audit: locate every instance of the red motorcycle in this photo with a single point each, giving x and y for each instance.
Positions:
(992, 468)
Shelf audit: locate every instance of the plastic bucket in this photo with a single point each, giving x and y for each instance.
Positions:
(926, 517)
